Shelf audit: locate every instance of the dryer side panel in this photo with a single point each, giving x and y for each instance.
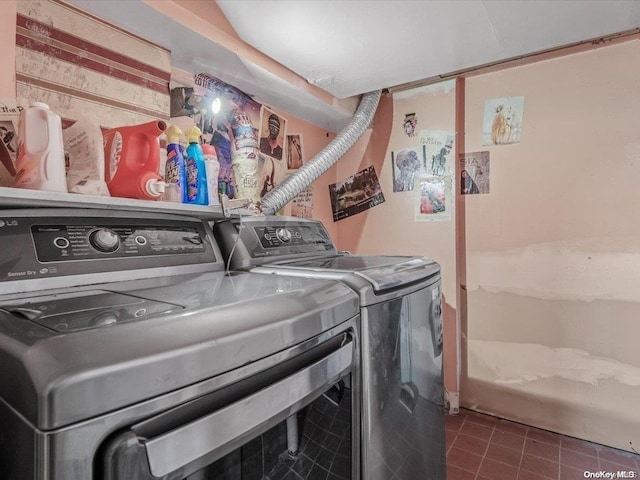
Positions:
(403, 401)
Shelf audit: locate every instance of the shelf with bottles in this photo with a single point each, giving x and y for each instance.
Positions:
(23, 198)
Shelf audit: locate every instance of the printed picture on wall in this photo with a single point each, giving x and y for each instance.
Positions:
(226, 109)
(433, 198)
(439, 147)
(409, 124)
(231, 127)
(8, 136)
(407, 165)
(302, 204)
(355, 194)
(272, 172)
(474, 173)
(295, 155)
(502, 122)
(272, 133)
(10, 109)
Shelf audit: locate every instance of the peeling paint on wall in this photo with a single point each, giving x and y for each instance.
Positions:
(597, 268)
(434, 89)
(531, 362)
(553, 254)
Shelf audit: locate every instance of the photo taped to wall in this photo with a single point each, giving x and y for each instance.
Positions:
(272, 133)
(355, 194)
(474, 173)
(406, 165)
(295, 151)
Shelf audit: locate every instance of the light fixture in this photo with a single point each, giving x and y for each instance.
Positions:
(215, 105)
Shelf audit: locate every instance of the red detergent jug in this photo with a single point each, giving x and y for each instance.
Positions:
(132, 161)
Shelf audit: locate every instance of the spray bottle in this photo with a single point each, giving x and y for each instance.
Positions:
(196, 170)
(175, 172)
(213, 170)
(132, 161)
(40, 163)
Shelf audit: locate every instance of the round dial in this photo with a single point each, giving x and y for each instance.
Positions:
(104, 240)
(283, 235)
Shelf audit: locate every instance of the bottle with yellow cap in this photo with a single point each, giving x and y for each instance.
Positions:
(196, 170)
(175, 174)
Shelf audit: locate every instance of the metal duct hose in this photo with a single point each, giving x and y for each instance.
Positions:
(310, 171)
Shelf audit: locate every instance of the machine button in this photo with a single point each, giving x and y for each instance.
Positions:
(140, 240)
(104, 319)
(61, 242)
(104, 240)
(283, 235)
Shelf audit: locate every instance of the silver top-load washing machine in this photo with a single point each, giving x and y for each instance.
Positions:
(403, 434)
(128, 352)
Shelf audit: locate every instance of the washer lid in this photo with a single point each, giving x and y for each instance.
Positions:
(55, 378)
(72, 312)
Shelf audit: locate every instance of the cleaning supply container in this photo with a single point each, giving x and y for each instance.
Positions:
(40, 162)
(196, 170)
(212, 166)
(175, 174)
(132, 161)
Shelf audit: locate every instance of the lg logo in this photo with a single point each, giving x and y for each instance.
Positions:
(8, 223)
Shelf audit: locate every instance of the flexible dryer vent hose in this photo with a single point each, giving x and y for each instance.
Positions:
(323, 161)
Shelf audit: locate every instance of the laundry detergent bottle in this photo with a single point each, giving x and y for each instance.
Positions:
(175, 174)
(132, 161)
(212, 167)
(196, 170)
(40, 163)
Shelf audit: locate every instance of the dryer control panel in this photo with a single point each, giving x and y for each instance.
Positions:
(254, 241)
(276, 236)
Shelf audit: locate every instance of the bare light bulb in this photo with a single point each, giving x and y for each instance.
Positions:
(215, 105)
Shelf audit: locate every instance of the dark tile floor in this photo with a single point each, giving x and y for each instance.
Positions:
(482, 447)
(325, 444)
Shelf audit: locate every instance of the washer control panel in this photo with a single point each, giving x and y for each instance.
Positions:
(59, 243)
(46, 244)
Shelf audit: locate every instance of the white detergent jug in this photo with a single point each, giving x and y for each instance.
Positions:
(40, 162)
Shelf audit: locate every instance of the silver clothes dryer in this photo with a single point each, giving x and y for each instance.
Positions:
(403, 423)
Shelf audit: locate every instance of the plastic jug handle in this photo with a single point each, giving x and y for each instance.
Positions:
(147, 154)
(153, 131)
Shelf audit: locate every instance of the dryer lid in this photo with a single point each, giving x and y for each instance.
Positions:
(381, 271)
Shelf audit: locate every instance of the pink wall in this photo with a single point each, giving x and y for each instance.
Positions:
(389, 228)
(550, 305)
(369, 150)
(552, 252)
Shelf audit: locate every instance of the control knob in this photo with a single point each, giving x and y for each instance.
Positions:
(104, 240)
(283, 235)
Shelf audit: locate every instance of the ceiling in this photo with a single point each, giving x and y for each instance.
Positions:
(349, 47)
